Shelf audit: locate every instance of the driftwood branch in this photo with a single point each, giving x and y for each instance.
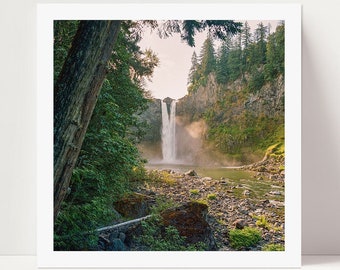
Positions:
(123, 225)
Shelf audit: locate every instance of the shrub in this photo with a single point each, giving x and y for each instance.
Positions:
(245, 238)
(211, 196)
(273, 247)
(256, 81)
(157, 238)
(200, 201)
(262, 222)
(75, 226)
(194, 191)
(156, 176)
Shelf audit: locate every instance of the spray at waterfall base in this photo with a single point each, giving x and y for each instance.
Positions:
(179, 141)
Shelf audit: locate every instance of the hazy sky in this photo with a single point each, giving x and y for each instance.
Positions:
(170, 77)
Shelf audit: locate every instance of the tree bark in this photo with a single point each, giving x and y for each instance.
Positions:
(75, 96)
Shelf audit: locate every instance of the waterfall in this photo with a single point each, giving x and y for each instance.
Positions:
(169, 132)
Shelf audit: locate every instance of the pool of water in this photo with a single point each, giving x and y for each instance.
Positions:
(236, 177)
(213, 172)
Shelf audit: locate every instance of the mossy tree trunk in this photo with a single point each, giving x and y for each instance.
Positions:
(75, 96)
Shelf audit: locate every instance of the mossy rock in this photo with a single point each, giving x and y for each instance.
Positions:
(190, 221)
(134, 205)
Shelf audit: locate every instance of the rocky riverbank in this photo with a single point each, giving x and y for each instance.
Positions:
(231, 204)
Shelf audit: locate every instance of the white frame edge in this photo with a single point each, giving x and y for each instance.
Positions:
(290, 258)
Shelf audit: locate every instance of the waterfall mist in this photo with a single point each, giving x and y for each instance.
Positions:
(181, 140)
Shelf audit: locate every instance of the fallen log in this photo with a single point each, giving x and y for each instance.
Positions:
(122, 225)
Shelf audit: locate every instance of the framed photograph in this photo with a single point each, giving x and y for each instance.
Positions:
(169, 135)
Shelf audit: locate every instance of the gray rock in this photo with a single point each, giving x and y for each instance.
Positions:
(273, 177)
(246, 192)
(113, 235)
(240, 224)
(122, 236)
(117, 245)
(191, 173)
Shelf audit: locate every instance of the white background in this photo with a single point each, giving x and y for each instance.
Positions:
(320, 125)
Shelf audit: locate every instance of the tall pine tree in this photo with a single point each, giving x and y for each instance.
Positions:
(246, 42)
(207, 57)
(222, 70)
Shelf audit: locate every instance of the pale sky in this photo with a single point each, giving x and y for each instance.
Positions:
(170, 77)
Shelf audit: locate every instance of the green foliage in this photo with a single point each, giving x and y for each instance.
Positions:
(257, 80)
(64, 32)
(239, 132)
(207, 57)
(276, 150)
(246, 37)
(161, 177)
(155, 237)
(109, 162)
(258, 54)
(222, 70)
(200, 201)
(193, 75)
(275, 54)
(218, 29)
(260, 39)
(75, 226)
(234, 64)
(211, 196)
(262, 222)
(273, 247)
(194, 191)
(200, 69)
(245, 238)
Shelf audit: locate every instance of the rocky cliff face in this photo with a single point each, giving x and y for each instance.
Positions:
(268, 101)
(240, 118)
(195, 104)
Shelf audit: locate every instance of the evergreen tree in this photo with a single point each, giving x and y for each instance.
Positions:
(75, 96)
(275, 54)
(222, 70)
(235, 59)
(246, 36)
(260, 38)
(192, 78)
(207, 57)
(246, 42)
(269, 29)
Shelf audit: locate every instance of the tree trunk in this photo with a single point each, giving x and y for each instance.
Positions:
(75, 96)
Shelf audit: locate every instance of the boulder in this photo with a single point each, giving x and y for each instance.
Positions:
(190, 221)
(117, 245)
(134, 205)
(191, 173)
(246, 192)
(240, 224)
(275, 192)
